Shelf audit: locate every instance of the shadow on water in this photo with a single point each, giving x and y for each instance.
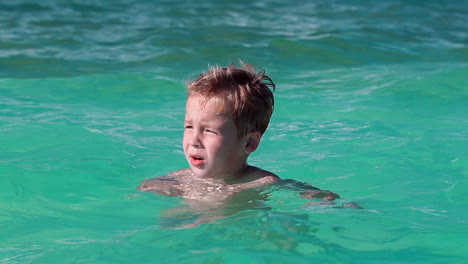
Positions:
(295, 195)
(276, 225)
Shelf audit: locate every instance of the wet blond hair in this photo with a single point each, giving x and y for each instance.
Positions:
(248, 94)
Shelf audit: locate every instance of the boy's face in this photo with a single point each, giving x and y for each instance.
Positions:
(210, 142)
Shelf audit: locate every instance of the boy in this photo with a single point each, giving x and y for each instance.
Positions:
(227, 111)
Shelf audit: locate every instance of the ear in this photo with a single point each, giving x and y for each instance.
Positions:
(251, 141)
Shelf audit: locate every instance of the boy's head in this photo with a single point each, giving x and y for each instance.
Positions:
(246, 93)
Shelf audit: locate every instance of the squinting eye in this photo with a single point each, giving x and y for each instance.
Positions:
(188, 127)
(210, 131)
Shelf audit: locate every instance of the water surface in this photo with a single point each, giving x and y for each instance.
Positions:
(371, 103)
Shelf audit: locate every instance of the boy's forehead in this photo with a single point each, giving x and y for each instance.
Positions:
(215, 105)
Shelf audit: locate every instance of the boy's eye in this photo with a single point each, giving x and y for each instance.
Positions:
(210, 131)
(188, 127)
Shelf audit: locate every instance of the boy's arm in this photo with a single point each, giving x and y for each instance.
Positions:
(308, 191)
(319, 194)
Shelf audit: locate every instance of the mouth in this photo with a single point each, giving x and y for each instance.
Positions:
(196, 161)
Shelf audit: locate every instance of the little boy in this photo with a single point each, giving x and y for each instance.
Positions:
(227, 111)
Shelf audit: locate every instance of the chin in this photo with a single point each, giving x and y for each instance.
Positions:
(199, 173)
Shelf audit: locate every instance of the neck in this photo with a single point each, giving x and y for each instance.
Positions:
(232, 177)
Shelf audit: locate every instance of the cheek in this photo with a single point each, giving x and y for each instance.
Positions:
(225, 146)
(214, 145)
(185, 140)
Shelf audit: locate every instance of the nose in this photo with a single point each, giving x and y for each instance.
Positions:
(194, 140)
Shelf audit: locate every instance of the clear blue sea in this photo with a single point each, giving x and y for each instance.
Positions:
(371, 103)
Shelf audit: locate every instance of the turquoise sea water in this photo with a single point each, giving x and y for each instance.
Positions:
(372, 103)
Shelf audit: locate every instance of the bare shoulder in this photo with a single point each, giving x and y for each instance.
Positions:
(171, 184)
(267, 177)
(255, 177)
